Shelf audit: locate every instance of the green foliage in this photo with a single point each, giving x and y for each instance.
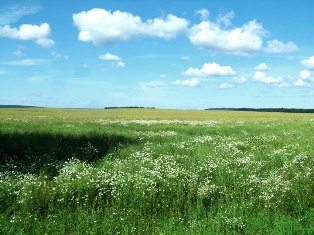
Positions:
(93, 175)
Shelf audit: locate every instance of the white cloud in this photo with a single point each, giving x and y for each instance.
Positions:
(100, 26)
(188, 82)
(271, 80)
(276, 47)
(109, 57)
(235, 81)
(225, 19)
(210, 69)
(261, 67)
(26, 62)
(12, 13)
(45, 42)
(119, 64)
(308, 63)
(301, 83)
(116, 60)
(222, 36)
(243, 40)
(261, 77)
(204, 13)
(163, 76)
(226, 86)
(238, 80)
(38, 34)
(305, 74)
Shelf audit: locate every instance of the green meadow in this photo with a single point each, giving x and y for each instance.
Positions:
(152, 171)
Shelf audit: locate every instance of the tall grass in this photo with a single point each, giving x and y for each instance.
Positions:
(102, 176)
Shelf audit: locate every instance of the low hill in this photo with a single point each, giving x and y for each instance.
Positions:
(18, 106)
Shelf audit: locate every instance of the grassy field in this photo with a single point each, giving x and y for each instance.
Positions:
(150, 171)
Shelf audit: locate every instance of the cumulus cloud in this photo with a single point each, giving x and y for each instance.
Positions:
(301, 83)
(226, 85)
(308, 63)
(194, 82)
(305, 74)
(210, 69)
(116, 61)
(204, 13)
(242, 40)
(222, 36)
(225, 19)
(26, 62)
(119, 64)
(261, 67)
(261, 77)
(110, 57)
(278, 47)
(100, 26)
(235, 81)
(37, 33)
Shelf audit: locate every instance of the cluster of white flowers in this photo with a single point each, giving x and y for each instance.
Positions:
(144, 122)
(152, 134)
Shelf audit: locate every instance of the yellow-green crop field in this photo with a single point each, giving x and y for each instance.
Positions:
(149, 114)
(152, 171)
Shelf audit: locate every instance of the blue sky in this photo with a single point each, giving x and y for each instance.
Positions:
(165, 54)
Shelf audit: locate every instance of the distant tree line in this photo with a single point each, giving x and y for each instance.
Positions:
(282, 110)
(17, 106)
(129, 107)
